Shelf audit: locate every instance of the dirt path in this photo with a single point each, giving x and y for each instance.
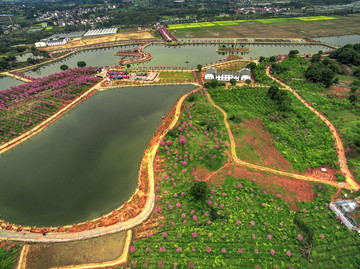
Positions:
(259, 167)
(350, 182)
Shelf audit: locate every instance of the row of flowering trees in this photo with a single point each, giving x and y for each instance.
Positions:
(25, 105)
(166, 34)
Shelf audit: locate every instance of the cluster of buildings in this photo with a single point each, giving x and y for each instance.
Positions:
(353, 7)
(90, 21)
(63, 38)
(242, 75)
(259, 10)
(70, 14)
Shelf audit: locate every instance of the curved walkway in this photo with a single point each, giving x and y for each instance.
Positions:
(120, 226)
(350, 182)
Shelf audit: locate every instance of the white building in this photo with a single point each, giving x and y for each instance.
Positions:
(57, 42)
(227, 75)
(212, 73)
(41, 43)
(245, 74)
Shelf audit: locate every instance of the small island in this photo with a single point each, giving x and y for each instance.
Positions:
(232, 47)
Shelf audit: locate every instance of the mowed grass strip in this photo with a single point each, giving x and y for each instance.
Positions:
(176, 77)
(236, 22)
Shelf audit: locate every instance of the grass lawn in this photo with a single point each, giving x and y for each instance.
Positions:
(176, 77)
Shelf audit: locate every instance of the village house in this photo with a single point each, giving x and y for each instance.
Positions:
(242, 75)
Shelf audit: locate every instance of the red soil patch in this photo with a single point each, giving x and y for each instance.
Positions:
(329, 175)
(292, 190)
(264, 153)
(339, 92)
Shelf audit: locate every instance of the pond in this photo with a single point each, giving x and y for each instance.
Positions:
(184, 56)
(190, 56)
(7, 82)
(86, 163)
(25, 56)
(99, 57)
(340, 40)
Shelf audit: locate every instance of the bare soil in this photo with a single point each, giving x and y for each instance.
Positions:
(95, 250)
(78, 42)
(329, 175)
(256, 145)
(292, 190)
(339, 92)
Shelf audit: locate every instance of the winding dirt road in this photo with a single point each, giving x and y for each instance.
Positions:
(259, 167)
(350, 181)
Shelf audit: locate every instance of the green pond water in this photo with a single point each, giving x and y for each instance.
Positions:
(340, 40)
(7, 82)
(86, 163)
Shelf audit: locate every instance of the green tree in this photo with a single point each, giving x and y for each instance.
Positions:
(318, 72)
(353, 89)
(356, 83)
(273, 92)
(316, 58)
(199, 191)
(293, 53)
(128, 65)
(233, 82)
(353, 98)
(81, 64)
(199, 67)
(251, 66)
(272, 59)
(248, 81)
(356, 72)
(261, 58)
(64, 67)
